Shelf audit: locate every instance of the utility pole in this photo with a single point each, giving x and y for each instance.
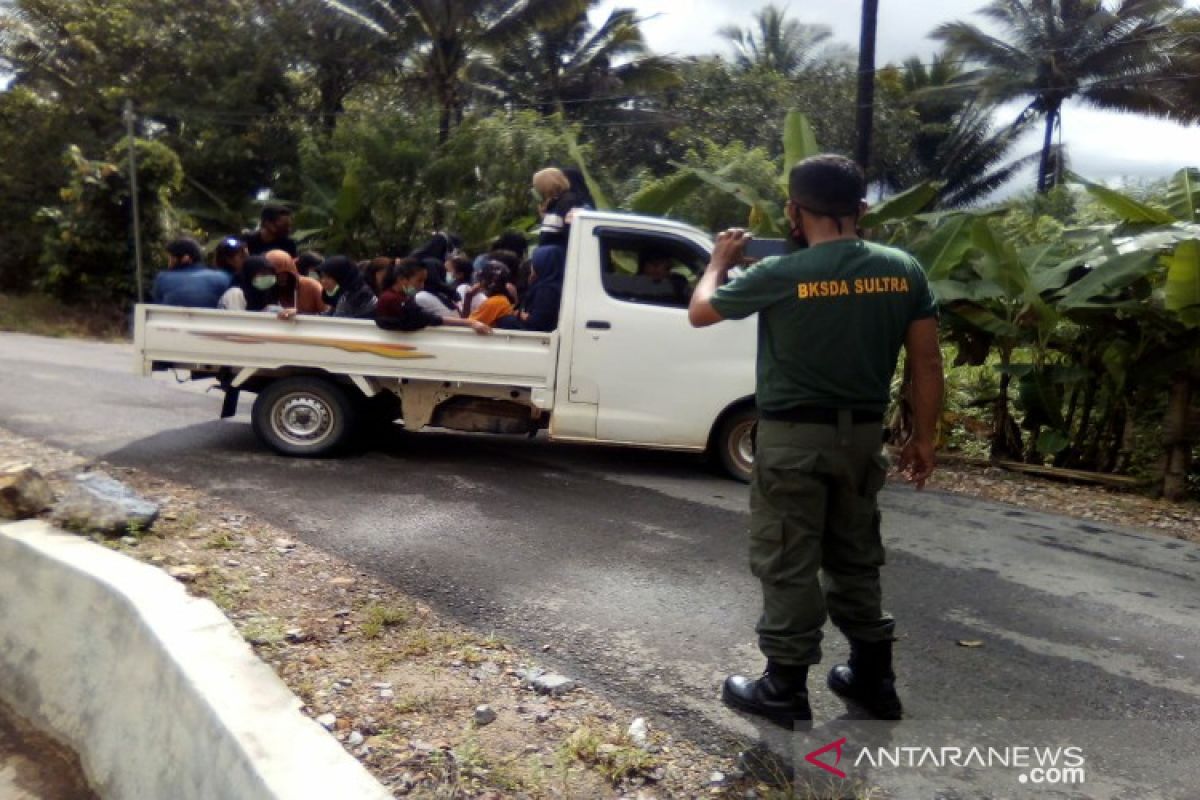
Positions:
(865, 126)
(130, 119)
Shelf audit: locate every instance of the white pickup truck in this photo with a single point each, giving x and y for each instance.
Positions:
(623, 368)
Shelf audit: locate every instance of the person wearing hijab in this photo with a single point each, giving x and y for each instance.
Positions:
(297, 294)
(556, 205)
(493, 284)
(543, 300)
(342, 280)
(435, 296)
(254, 289)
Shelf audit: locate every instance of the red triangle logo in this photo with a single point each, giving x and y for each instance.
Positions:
(836, 747)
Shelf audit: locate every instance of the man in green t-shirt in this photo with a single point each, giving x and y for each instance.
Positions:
(832, 319)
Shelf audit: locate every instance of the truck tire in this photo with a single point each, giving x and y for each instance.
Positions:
(304, 416)
(733, 447)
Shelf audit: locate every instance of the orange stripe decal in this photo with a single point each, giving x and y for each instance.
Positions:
(346, 345)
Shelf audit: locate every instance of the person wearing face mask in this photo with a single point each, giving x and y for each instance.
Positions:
(342, 280)
(297, 294)
(254, 289)
(832, 319)
(398, 310)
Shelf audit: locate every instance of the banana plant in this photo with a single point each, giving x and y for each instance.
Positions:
(766, 214)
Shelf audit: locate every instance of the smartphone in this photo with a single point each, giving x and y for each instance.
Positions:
(758, 249)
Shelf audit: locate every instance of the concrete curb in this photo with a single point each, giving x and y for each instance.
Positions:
(154, 689)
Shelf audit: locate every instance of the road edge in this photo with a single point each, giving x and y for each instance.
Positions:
(154, 689)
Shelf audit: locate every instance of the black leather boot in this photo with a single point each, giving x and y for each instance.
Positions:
(868, 680)
(780, 695)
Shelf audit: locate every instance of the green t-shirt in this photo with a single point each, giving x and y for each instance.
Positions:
(832, 319)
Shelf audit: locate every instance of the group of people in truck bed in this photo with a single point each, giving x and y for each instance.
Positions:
(438, 284)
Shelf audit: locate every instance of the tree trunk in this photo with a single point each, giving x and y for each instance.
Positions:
(866, 82)
(1043, 183)
(1085, 420)
(1178, 456)
(1061, 457)
(1006, 442)
(1128, 440)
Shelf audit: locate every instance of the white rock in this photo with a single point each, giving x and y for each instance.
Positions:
(186, 573)
(355, 739)
(552, 684)
(386, 694)
(638, 730)
(327, 721)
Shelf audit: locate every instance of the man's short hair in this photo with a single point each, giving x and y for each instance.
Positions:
(272, 213)
(184, 246)
(828, 185)
(648, 255)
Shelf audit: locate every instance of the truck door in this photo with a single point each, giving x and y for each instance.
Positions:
(655, 379)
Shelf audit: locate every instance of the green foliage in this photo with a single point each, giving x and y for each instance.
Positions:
(88, 253)
(374, 188)
(685, 195)
(34, 132)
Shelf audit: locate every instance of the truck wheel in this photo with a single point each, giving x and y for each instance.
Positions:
(306, 417)
(734, 444)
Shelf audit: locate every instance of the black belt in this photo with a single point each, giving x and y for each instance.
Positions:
(811, 415)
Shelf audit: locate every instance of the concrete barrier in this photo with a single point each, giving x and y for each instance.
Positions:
(154, 689)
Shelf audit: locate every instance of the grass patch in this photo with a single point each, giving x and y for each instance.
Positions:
(41, 315)
(222, 541)
(380, 617)
(609, 752)
(264, 632)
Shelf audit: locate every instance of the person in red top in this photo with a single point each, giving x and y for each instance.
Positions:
(397, 309)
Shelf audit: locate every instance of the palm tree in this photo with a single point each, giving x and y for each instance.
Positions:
(1056, 50)
(552, 66)
(956, 142)
(449, 32)
(865, 103)
(778, 44)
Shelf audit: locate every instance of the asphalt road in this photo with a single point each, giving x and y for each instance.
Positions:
(631, 565)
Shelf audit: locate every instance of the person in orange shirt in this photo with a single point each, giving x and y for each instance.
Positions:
(297, 294)
(493, 282)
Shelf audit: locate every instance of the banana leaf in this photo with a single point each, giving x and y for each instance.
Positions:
(659, 199)
(905, 204)
(598, 195)
(1181, 293)
(1123, 205)
(946, 247)
(1000, 263)
(985, 320)
(1183, 195)
(799, 142)
(951, 291)
(1109, 277)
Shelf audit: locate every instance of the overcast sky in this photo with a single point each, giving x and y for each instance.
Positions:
(1102, 145)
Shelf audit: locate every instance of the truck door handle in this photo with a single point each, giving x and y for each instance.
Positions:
(599, 325)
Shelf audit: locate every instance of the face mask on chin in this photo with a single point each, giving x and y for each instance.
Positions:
(264, 282)
(334, 291)
(410, 291)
